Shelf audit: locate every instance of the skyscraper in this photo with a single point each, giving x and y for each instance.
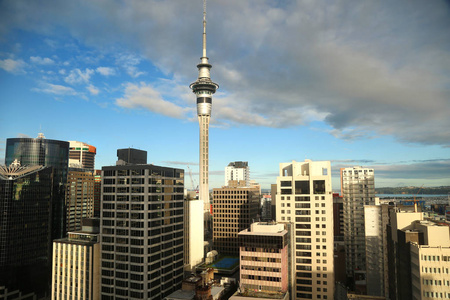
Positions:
(141, 231)
(25, 202)
(203, 88)
(304, 197)
(357, 186)
(49, 153)
(238, 170)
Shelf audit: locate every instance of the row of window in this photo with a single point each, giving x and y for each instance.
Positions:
(434, 270)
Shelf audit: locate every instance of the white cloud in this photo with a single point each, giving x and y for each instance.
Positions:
(129, 62)
(77, 76)
(106, 71)
(146, 96)
(93, 90)
(13, 66)
(41, 60)
(56, 89)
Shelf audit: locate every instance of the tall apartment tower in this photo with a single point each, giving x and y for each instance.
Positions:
(357, 187)
(203, 88)
(141, 231)
(238, 170)
(81, 155)
(25, 206)
(76, 264)
(234, 209)
(49, 153)
(304, 197)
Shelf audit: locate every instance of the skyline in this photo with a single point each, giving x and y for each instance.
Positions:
(321, 80)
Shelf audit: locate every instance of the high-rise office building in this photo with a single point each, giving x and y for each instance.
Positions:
(203, 88)
(76, 264)
(50, 153)
(79, 197)
(304, 197)
(141, 231)
(25, 205)
(81, 155)
(238, 170)
(264, 259)
(357, 187)
(234, 209)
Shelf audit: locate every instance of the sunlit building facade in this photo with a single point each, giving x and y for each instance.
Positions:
(304, 198)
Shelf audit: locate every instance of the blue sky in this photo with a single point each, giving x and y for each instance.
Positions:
(354, 82)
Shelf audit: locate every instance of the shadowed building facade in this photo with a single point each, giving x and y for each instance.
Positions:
(25, 205)
(234, 209)
(141, 231)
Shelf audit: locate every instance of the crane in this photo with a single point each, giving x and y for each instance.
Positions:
(415, 201)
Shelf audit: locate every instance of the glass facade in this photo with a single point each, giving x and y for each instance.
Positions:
(25, 204)
(49, 153)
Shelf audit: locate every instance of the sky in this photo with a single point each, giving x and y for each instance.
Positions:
(358, 83)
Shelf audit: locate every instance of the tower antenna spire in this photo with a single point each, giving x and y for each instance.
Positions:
(204, 28)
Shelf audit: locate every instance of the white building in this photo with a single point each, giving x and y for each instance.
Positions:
(430, 262)
(357, 187)
(304, 197)
(238, 170)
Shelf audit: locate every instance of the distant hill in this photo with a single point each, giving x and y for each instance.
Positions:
(438, 190)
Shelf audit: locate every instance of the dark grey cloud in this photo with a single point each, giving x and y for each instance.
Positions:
(366, 68)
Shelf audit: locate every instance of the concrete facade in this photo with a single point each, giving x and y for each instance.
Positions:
(304, 197)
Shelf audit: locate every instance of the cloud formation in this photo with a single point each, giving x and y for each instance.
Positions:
(41, 60)
(13, 66)
(364, 68)
(56, 89)
(106, 71)
(77, 76)
(146, 96)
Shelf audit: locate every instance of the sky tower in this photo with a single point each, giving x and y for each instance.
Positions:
(204, 88)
